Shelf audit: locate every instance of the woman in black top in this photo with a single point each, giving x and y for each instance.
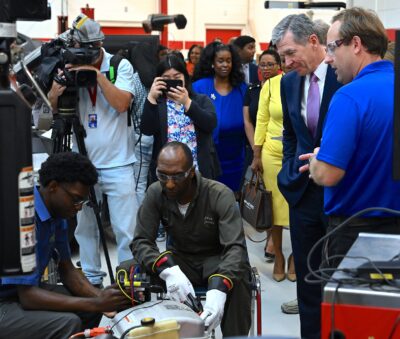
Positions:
(180, 114)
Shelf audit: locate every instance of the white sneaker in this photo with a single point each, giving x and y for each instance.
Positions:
(290, 307)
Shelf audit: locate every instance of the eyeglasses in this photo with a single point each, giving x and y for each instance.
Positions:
(331, 46)
(75, 200)
(267, 65)
(175, 177)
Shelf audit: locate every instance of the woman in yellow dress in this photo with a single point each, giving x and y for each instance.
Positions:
(267, 151)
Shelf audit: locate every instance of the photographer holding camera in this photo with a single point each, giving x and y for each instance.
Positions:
(109, 143)
(173, 112)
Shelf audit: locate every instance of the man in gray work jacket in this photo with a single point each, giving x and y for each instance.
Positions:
(206, 245)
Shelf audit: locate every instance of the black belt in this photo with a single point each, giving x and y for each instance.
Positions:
(11, 298)
(336, 220)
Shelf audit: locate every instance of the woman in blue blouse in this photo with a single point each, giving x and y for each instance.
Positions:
(180, 115)
(219, 75)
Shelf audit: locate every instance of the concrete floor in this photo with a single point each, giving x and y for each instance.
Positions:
(274, 322)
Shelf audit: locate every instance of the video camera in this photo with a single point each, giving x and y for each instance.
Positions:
(58, 53)
(57, 58)
(79, 45)
(54, 56)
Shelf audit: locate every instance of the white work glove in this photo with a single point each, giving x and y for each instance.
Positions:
(178, 285)
(213, 309)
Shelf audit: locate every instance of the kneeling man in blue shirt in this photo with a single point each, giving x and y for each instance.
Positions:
(30, 308)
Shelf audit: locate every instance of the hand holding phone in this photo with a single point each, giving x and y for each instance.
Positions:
(172, 83)
(169, 87)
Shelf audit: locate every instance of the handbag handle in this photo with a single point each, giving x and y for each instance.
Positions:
(258, 183)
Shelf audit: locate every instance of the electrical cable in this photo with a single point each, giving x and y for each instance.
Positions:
(323, 277)
(134, 270)
(379, 271)
(91, 332)
(337, 228)
(140, 161)
(324, 274)
(396, 257)
(132, 274)
(135, 309)
(122, 288)
(131, 280)
(335, 294)
(395, 325)
(256, 241)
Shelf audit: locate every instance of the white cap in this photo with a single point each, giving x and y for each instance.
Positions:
(86, 30)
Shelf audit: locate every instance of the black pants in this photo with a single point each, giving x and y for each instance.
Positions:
(308, 224)
(340, 242)
(17, 323)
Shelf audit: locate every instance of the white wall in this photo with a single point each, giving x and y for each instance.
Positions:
(116, 12)
(266, 19)
(45, 29)
(207, 14)
(248, 15)
(388, 10)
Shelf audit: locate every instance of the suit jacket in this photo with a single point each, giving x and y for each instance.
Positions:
(202, 113)
(253, 73)
(296, 136)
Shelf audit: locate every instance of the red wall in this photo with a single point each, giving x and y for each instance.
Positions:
(391, 33)
(223, 34)
(123, 30)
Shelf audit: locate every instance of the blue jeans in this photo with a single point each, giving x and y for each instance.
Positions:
(118, 184)
(143, 153)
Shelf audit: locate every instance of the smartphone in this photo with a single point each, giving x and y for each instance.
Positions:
(172, 83)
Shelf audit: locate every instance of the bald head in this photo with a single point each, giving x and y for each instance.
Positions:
(176, 173)
(176, 153)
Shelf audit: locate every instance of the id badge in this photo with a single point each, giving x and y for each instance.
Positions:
(92, 123)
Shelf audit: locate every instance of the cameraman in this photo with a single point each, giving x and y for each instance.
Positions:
(110, 146)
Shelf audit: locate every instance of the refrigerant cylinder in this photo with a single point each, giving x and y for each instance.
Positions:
(17, 212)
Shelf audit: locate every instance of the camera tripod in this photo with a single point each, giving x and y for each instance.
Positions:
(63, 125)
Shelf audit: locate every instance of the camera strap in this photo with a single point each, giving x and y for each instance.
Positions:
(92, 116)
(93, 95)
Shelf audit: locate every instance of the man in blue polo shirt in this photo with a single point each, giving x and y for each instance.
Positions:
(30, 308)
(354, 162)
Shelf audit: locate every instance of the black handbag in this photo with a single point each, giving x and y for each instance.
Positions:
(256, 203)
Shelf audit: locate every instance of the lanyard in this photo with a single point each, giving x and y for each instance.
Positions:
(93, 95)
